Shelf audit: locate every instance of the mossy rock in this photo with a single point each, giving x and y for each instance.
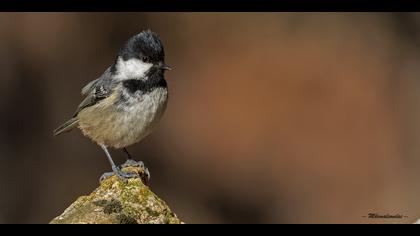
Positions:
(117, 201)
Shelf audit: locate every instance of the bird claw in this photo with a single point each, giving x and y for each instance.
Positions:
(145, 175)
(122, 175)
(131, 162)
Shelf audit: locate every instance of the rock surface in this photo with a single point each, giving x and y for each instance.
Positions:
(117, 201)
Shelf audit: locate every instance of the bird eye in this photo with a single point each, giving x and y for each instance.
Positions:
(144, 59)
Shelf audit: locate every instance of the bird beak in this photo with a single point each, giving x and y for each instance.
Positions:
(165, 67)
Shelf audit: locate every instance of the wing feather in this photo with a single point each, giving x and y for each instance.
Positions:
(96, 91)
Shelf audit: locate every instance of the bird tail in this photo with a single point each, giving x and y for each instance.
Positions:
(66, 127)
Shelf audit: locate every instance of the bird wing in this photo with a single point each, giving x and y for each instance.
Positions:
(88, 88)
(92, 84)
(96, 91)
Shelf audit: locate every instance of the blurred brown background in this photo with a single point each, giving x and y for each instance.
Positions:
(272, 118)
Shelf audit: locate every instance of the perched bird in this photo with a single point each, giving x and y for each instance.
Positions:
(126, 102)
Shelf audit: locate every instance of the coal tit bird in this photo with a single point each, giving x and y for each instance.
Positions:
(126, 102)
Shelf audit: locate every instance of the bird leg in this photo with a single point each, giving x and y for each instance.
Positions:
(115, 169)
(131, 162)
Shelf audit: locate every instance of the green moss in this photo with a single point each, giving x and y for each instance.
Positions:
(101, 202)
(109, 207)
(151, 212)
(108, 183)
(124, 219)
(123, 202)
(127, 195)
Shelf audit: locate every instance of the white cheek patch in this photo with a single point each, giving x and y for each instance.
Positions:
(132, 68)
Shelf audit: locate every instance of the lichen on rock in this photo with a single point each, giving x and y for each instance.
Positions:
(118, 201)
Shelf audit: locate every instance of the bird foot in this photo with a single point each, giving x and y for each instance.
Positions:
(131, 162)
(144, 174)
(122, 175)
